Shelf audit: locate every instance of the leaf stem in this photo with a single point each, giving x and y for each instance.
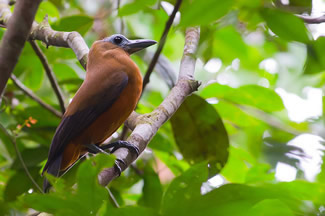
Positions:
(13, 141)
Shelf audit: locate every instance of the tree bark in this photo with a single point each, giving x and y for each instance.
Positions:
(14, 39)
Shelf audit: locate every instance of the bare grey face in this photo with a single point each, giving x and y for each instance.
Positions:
(117, 39)
(130, 46)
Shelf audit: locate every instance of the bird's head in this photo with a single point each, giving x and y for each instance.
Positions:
(130, 46)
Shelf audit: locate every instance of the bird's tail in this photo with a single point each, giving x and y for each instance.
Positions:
(54, 169)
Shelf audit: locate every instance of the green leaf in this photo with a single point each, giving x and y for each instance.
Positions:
(79, 23)
(135, 7)
(239, 160)
(175, 165)
(286, 25)
(234, 199)
(88, 198)
(295, 6)
(29, 68)
(321, 175)
(58, 54)
(228, 44)
(43, 116)
(183, 197)
(164, 139)
(54, 204)
(67, 77)
(301, 3)
(19, 183)
(184, 188)
(32, 158)
(302, 190)
(64, 72)
(130, 210)
(260, 97)
(152, 190)
(6, 146)
(315, 62)
(236, 115)
(199, 12)
(89, 192)
(206, 137)
(259, 173)
(267, 208)
(252, 95)
(161, 142)
(4, 208)
(47, 8)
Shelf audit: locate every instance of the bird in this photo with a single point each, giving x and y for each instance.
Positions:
(108, 95)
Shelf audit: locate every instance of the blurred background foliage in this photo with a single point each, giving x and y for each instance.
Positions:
(249, 142)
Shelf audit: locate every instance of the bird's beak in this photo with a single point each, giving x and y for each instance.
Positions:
(137, 45)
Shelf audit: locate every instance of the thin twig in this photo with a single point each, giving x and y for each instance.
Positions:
(121, 19)
(162, 42)
(13, 140)
(50, 74)
(33, 96)
(111, 195)
(312, 20)
(124, 133)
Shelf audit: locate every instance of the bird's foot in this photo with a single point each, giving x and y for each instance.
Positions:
(118, 167)
(121, 144)
(94, 149)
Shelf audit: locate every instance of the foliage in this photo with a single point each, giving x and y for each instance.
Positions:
(237, 124)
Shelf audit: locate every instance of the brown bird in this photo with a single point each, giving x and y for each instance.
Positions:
(106, 98)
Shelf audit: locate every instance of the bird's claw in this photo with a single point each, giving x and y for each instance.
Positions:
(118, 167)
(125, 144)
(94, 149)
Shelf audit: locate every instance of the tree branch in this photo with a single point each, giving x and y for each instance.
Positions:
(33, 96)
(43, 32)
(49, 74)
(50, 37)
(162, 42)
(312, 20)
(18, 29)
(121, 18)
(145, 126)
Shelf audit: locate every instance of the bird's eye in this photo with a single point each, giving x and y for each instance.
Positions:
(118, 39)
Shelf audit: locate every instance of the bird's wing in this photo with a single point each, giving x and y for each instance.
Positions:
(86, 107)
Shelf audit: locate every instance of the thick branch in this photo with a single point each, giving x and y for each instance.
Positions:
(43, 32)
(18, 29)
(312, 20)
(146, 126)
(162, 42)
(50, 75)
(31, 94)
(50, 37)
